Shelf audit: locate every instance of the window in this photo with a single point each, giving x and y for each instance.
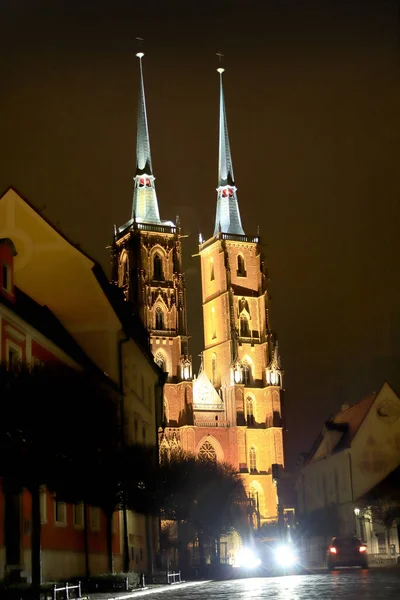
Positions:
(253, 459)
(6, 277)
(213, 328)
(214, 369)
(246, 373)
(144, 435)
(158, 268)
(159, 359)
(250, 411)
(60, 513)
(207, 451)
(212, 274)
(135, 428)
(159, 319)
(241, 271)
(94, 518)
(244, 327)
(43, 505)
(123, 274)
(14, 354)
(79, 518)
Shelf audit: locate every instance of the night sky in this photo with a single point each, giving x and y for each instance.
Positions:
(313, 102)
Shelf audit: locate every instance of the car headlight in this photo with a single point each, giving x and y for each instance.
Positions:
(285, 556)
(247, 558)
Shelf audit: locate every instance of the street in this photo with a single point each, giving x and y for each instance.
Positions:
(340, 585)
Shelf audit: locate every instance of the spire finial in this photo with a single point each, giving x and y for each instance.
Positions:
(220, 57)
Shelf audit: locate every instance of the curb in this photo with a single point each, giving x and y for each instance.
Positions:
(146, 591)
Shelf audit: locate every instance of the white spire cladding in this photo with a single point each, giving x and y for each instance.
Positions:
(144, 205)
(227, 218)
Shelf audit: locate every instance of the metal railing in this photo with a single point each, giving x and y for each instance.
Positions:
(173, 577)
(232, 237)
(211, 407)
(211, 423)
(67, 588)
(156, 228)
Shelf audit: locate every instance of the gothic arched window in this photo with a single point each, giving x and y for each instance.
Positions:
(212, 274)
(241, 271)
(158, 273)
(246, 370)
(213, 327)
(244, 327)
(159, 323)
(123, 271)
(214, 369)
(250, 418)
(160, 361)
(253, 459)
(207, 451)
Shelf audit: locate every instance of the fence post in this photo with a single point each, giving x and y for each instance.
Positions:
(79, 589)
(54, 591)
(66, 591)
(126, 583)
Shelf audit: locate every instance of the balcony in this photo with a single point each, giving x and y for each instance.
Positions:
(249, 239)
(210, 423)
(210, 407)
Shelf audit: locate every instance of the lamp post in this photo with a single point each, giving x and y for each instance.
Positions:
(357, 514)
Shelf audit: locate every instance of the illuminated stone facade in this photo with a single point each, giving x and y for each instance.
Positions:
(232, 410)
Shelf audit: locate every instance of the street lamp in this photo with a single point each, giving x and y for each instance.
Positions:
(357, 514)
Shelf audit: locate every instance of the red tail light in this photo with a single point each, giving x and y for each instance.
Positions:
(332, 550)
(363, 548)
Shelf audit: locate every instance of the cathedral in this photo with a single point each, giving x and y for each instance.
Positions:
(231, 410)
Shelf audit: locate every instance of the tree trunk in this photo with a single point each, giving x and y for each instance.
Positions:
(149, 545)
(86, 539)
(202, 557)
(12, 522)
(126, 540)
(110, 554)
(388, 540)
(36, 550)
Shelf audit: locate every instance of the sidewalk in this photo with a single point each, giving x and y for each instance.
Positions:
(151, 589)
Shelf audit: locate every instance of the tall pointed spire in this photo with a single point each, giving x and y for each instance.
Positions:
(227, 218)
(144, 205)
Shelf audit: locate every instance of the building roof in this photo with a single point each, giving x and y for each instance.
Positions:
(42, 271)
(227, 218)
(144, 205)
(341, 429)
(45, 322)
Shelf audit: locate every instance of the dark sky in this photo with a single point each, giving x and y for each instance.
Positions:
(313, 101)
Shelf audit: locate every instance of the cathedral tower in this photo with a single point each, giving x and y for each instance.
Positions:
(241, 356)
(147, 262)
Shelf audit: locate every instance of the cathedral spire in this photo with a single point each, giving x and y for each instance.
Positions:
(227, 218)
(144, 205)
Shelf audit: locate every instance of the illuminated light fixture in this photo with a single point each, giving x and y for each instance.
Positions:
(285, 556)
(356, 511)
(247, 559)
(238, 376)
(363, 548)
(332, 550)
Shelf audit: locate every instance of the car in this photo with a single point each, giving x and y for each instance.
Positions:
(346, 551)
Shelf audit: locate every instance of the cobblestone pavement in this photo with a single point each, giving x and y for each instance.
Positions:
(374, 584)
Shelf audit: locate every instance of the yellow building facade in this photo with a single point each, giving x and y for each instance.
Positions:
(231, 411)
